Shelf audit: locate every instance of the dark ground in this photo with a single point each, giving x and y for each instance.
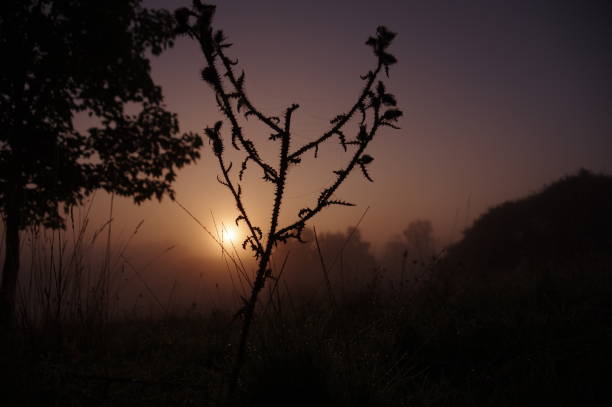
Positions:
(548, 345)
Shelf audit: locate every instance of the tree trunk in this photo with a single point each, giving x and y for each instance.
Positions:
(13, 202)
(11, 264)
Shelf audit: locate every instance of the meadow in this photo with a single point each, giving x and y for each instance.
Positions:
(517, 311)
(422, 333)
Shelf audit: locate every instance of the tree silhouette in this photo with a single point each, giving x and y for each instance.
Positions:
(348, 264)
(420, 241)
(70, 59)
(565, 221)
(374, 108)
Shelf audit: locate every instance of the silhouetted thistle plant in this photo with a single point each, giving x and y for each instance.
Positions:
(374, 108)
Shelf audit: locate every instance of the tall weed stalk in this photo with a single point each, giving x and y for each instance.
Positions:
(374, 108)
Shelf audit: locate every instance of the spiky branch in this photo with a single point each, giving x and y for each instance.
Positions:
(373, 109)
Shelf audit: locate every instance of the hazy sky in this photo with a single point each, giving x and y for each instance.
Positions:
(499, 98)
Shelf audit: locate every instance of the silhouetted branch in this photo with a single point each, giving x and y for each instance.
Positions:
(341, 120)
(369, 105)
(243, 98)
(211, 75)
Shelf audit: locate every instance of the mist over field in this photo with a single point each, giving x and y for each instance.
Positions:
(149, 279)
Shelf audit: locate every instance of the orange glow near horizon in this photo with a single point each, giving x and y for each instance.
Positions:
(229, 234)
(489, 116)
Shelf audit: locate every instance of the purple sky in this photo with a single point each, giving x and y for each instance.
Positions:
(499, 98)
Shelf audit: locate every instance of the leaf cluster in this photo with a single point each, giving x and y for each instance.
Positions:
(379, 44)
(72, 59)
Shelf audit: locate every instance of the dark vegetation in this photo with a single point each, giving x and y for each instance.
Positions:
(518, 312)
(373, 110)
(64, 60)
(467, 332)
(551, 233)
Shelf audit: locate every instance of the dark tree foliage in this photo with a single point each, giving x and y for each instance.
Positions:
(69, 59)
(567, 222)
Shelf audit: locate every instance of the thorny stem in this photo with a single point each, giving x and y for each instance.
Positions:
(238, 200)
(368, 101)
(227, 110)
(309, 146)
(263, 272)
(230, 74)
(332, 189)
(371, 78)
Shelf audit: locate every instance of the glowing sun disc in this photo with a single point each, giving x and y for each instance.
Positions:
(230, 235)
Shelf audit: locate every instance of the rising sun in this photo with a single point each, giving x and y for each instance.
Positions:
(229, 234)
